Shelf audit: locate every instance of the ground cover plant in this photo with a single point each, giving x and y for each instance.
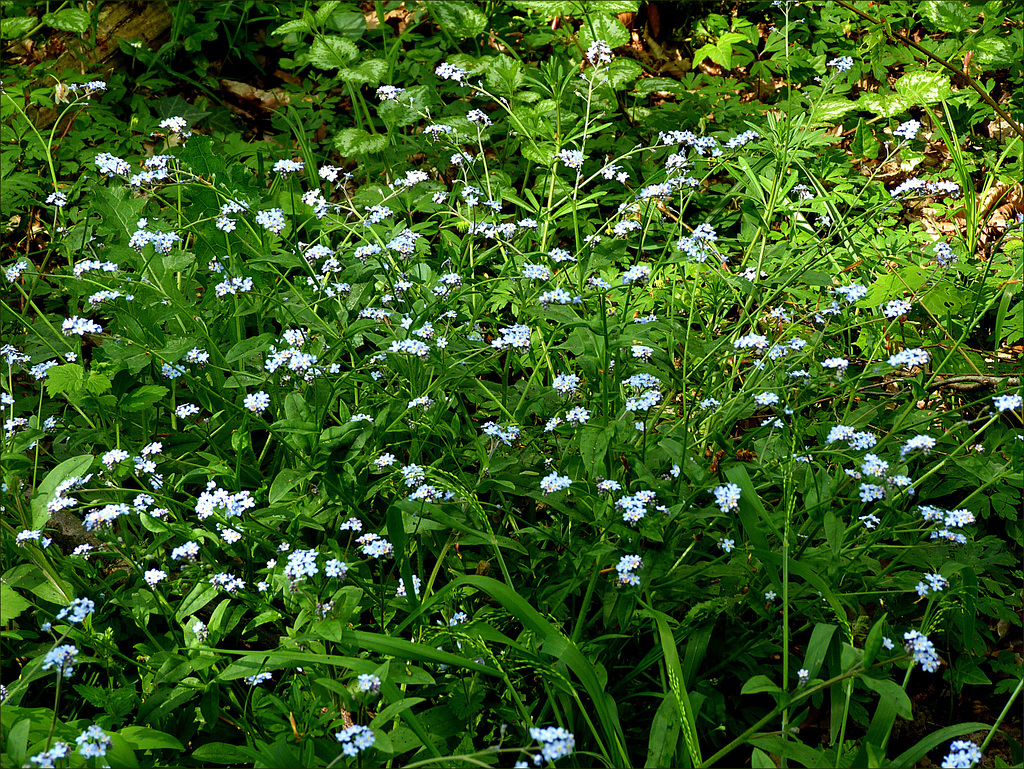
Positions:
(513, 402)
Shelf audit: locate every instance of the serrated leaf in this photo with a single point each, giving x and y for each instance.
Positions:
(948, 15)
(11, 603)
(353, 142)
(118, 208)
(459, 17)
(505, 75)
(97, 383)
(332, 52)
(67, 378)
(68, 20)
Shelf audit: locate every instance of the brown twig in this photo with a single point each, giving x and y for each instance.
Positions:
(962, 72)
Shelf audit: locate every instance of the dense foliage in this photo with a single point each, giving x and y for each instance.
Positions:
(483, 383)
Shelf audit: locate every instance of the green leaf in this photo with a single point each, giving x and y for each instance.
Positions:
(607, 28)
(332, 52)
(97, 383)
(549, 8)
(933, 740)
(369, 72)
(760, 684)
(11, 603)
(923, 88)
(623, 71)
(142, 398)
(355, 142)
(948, 15)
(67, 378)
(650, 85)
(459, 17)
(893, 286)
(864, 144)
(797, 751)
(678, 687)
(892, 693)
(224, 753)
(118, 208)
(198, 155)
(817, 647)
(69, 468)
(16, 26)
(284, 482)
(664, 737)
(68, 20)
(295, 25)
(874, 643)
(594, 443)
(144, 738)
(505, 75)
(831, 108)
(323, 13)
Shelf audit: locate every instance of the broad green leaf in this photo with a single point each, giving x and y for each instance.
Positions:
(68, 20)
(16, 26)
(118, 208)
(97, 383)
(792, 749)
(924, 88)
(831, 108)
(549, 8)
(332, 52)
(369, 72)
(11, 603)
(458, 17)
(894, 285)
(69, 468)
(890, 692)
(760, 684)
(607, 28)
(650, 85)
(594, 442)
(355, 142)
(622, 72)
(864, 144)
(505, 75)
(144, 397)
(948, 15)
(66, 378)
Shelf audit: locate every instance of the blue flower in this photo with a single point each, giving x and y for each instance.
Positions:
(727, 497)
